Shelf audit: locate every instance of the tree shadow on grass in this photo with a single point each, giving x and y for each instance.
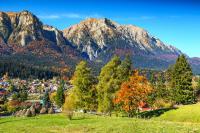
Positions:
(153, 113)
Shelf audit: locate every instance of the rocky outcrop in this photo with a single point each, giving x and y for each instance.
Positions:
(28, 113)
(33, 110)
(43, 110)
(24, 27)
(54, 35)
(51, 110)
(5, 27)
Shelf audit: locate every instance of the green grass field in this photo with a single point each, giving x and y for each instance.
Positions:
(188, 113)
(186, 119)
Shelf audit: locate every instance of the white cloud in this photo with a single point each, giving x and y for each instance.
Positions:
(70, 15)
(49, 16)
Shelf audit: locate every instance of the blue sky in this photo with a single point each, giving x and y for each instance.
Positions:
(175, 22)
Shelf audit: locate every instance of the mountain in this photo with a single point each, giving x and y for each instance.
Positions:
(100, 39)
(94, 36)
(23, 35)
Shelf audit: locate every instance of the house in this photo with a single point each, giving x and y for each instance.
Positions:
(3, 92)
(4, 84)
(144, 107)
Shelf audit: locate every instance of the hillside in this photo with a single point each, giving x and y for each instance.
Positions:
(187, 113)
(94, 40)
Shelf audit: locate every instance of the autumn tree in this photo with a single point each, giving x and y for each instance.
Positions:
(83, 87)
(108, 84)
(181, 82)
(132, 92)
(70, 104)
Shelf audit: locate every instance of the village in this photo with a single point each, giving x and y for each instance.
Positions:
(19, 94)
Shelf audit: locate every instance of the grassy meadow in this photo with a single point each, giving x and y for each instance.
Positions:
(186, 119)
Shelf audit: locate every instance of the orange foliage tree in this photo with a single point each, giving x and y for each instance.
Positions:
(132, 92)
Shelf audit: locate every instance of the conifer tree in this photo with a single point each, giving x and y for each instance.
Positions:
(60, 96)
(46, 98)
(198, 84)
(125, 69)
(181, 82)
(108, 84)
(84, 90)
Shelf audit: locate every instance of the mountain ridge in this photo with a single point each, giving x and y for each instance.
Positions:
(98, 29)
(95, 40)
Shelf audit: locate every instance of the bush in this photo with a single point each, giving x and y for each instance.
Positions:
(69, 105)
(52, 97)
(161, 103)
(13, 106)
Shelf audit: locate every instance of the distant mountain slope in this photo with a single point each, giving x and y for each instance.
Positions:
(95, 40)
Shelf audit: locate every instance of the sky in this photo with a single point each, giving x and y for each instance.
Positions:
(175, 22)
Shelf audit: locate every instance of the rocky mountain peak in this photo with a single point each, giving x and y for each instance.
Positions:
(23, 27)
(20, 28)
(92, 36)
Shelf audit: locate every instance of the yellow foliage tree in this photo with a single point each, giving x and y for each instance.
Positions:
(132, 93)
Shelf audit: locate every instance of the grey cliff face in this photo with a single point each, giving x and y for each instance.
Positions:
(24, 27)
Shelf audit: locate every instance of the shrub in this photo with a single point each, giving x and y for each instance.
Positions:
(161, 103)
(52, 97)
(13, 106)
(69, 105)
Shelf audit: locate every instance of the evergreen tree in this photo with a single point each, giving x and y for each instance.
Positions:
(60, 96)
(161, 91)
(198, 84)
(22, 94)
(125, 69)
(11, 88)
(46, 98)
(152, 78)
(108, 84)
(84, 90)
(198, 88)
(181, 82)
